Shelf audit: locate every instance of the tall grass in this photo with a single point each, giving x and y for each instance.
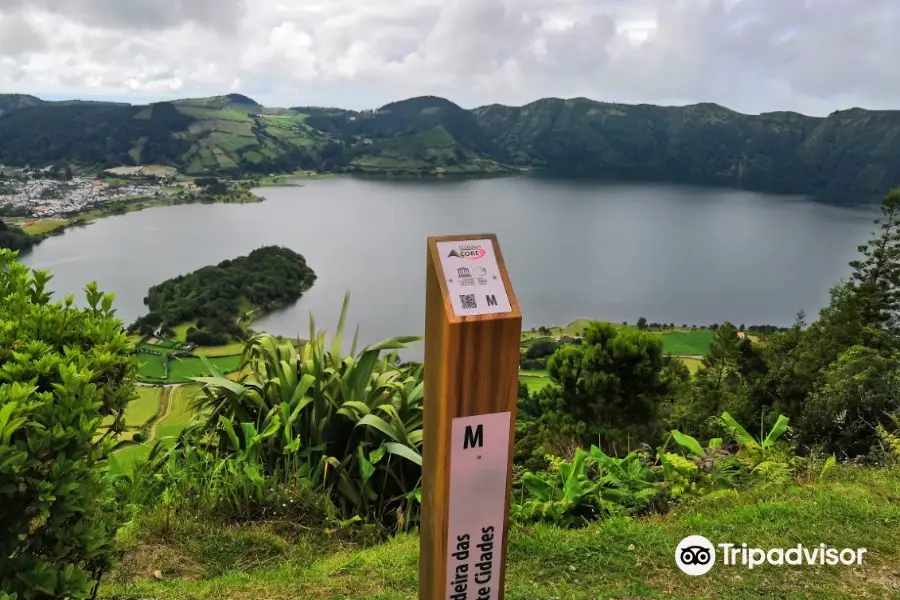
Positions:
(348, 425)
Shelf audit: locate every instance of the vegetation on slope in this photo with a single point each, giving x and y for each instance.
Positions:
(217, 297)
(850, 151)
(618, 557)
(702, 143)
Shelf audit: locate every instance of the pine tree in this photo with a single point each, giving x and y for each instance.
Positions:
(876, 277)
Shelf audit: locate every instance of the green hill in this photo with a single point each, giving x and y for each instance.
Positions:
(12, 102)
(855, 150)
(852, 150)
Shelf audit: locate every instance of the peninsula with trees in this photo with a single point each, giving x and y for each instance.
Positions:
(233, 136)
(213, 304)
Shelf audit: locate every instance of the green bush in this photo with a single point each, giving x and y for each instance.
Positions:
(542, 349)
(63, 370)
(351, 424)
(586, 487)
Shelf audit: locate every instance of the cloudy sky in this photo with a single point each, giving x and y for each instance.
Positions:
(812, 56)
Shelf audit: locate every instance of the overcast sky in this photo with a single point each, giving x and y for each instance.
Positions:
(812, 56)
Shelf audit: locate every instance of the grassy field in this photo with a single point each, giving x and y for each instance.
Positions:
(535, 380)
(618, 558)
(181, 330)
(145, 407)
(181, 370)
(216, 351)
(171, 420)
(151, 368)
(179, 413)
(42, 226)
(688, 343)
(693, 364)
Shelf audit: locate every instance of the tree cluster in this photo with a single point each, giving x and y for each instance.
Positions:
(13, 238)
(217, 297)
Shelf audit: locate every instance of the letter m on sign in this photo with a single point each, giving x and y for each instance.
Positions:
(491, 300)
(474, 438)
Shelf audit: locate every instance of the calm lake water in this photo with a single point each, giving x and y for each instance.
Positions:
(615, 252)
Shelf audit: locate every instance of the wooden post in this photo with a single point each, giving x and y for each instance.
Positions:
(473, 329)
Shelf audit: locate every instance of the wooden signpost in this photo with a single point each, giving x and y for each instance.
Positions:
(473, 329)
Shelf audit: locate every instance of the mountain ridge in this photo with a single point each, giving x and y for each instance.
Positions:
(853, 150)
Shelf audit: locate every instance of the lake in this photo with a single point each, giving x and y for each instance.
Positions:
(574, 249)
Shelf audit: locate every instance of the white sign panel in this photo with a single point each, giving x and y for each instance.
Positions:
(473, 278)
(479, 467)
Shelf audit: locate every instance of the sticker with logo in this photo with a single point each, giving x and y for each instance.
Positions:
(473, 278)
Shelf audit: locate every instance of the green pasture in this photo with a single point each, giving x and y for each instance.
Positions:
(181, 370)
(42, 226)
(144, 407)
(687, 343)
(179, 413)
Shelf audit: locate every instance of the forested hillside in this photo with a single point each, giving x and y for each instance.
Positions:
(853, 150)
(704, 143)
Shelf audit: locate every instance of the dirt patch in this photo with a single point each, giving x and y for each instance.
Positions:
(148, 562)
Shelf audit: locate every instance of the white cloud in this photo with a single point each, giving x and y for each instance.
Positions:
(813, 56)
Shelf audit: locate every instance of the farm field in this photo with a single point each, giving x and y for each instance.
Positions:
(234, 349)
(42, 226)
(687, 343)
(145, 407)
(693, 364)
(182, 369)
(535, 380)
(174, 416)
(179, 413)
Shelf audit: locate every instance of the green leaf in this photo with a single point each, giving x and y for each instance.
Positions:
(688, 442)
(405, 452)
(743, 438)
(830, 463)
(377, 454)
(778, 430)
(379, 424)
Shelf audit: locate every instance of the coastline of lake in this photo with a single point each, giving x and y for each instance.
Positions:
(575, 249)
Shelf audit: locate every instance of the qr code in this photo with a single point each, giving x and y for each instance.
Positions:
(468, 301)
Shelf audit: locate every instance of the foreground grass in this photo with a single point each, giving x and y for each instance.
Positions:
(615, 558)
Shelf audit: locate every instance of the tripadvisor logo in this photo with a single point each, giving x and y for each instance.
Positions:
(696, 555)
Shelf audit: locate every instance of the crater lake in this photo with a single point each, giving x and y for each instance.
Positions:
(574, 249)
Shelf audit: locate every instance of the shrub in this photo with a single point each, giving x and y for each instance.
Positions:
(64, 370)
(542, 349)
(352, 424)
(576, 491)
